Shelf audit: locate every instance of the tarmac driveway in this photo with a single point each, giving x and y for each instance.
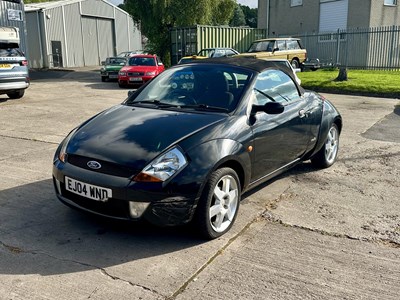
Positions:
(310, 234)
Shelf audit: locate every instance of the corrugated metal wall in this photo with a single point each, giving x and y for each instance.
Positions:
(4, 21)
(89, 32)
(190, 40)
(127, 34)
(54, 25)
(34, 23)
(97, 8)
(74, 55)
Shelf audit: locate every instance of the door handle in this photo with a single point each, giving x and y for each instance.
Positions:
(302, 113)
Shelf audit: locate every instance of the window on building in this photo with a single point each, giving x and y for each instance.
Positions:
(390, 2)
(296, 2)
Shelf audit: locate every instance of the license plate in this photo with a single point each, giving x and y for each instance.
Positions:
(5, 66)
(135, 78)
(90, 191)
(113, 76)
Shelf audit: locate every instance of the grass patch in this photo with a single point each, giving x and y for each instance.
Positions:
(360, 82)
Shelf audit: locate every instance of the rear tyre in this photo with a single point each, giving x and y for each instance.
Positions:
(219, 204)
(327, 155)
(16, 95)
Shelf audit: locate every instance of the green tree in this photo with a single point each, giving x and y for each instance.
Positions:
(250, 15)
(157, 17)
(238, 18)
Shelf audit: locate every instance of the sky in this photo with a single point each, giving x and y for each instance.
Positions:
(250, 3)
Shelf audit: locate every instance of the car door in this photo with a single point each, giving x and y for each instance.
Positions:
(278, 139)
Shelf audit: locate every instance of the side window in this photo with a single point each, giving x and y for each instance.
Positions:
(293, 45)
(274, 85)
(281, 45)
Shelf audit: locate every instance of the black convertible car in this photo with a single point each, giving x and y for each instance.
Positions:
(185, 146)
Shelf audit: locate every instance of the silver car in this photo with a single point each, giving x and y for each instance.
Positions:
(14, 74)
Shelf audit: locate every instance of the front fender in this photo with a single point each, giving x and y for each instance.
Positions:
(211, 155)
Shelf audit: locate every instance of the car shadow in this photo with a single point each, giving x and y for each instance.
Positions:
(35, 224)
(90, 77)
(36, 227)
(302, 168)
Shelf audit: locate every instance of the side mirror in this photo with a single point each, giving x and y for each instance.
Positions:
(160, 64)
(271, 108)
(275, 49)
(103, 63)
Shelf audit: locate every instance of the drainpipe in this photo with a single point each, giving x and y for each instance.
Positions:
(268, 15)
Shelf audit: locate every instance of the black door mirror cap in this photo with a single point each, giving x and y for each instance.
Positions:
(271, 108)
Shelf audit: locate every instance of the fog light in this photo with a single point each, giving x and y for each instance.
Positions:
(137, 209)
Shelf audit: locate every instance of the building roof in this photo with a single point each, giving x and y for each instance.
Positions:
(53, 4)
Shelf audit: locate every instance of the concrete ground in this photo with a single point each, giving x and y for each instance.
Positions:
(309, 234)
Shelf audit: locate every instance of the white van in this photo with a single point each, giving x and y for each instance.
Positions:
(14, 74)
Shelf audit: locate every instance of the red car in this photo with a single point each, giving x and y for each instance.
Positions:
(139, 69)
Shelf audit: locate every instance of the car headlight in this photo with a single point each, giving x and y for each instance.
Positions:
(122, 73)
(63, 151)
(150, 73)
(163, 167)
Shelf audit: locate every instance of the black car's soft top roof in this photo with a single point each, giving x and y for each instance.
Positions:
(254, 64)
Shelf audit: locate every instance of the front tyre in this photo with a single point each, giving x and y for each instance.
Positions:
(327, 155)
(219, 204)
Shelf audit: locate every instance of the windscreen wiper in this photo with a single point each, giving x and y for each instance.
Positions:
(205, 107)
(153, 102)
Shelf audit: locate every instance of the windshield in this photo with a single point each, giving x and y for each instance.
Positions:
(142, 61)
(115, 61)
(197, 87)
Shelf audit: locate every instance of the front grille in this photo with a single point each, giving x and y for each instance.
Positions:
(106, 167)
(135, 73)
(112, 73)
(112, 207)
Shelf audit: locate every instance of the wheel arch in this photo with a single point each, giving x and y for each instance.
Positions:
(238, 168)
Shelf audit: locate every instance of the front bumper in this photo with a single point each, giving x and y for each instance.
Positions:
(163, 206)
(109, 74)
(134, 80)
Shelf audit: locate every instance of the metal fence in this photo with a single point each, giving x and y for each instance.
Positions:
(371, 48)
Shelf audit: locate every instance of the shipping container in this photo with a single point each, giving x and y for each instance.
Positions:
(190, 40)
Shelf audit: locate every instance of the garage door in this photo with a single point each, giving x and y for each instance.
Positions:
(90, 44)
(106, 38)
(333, 15)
